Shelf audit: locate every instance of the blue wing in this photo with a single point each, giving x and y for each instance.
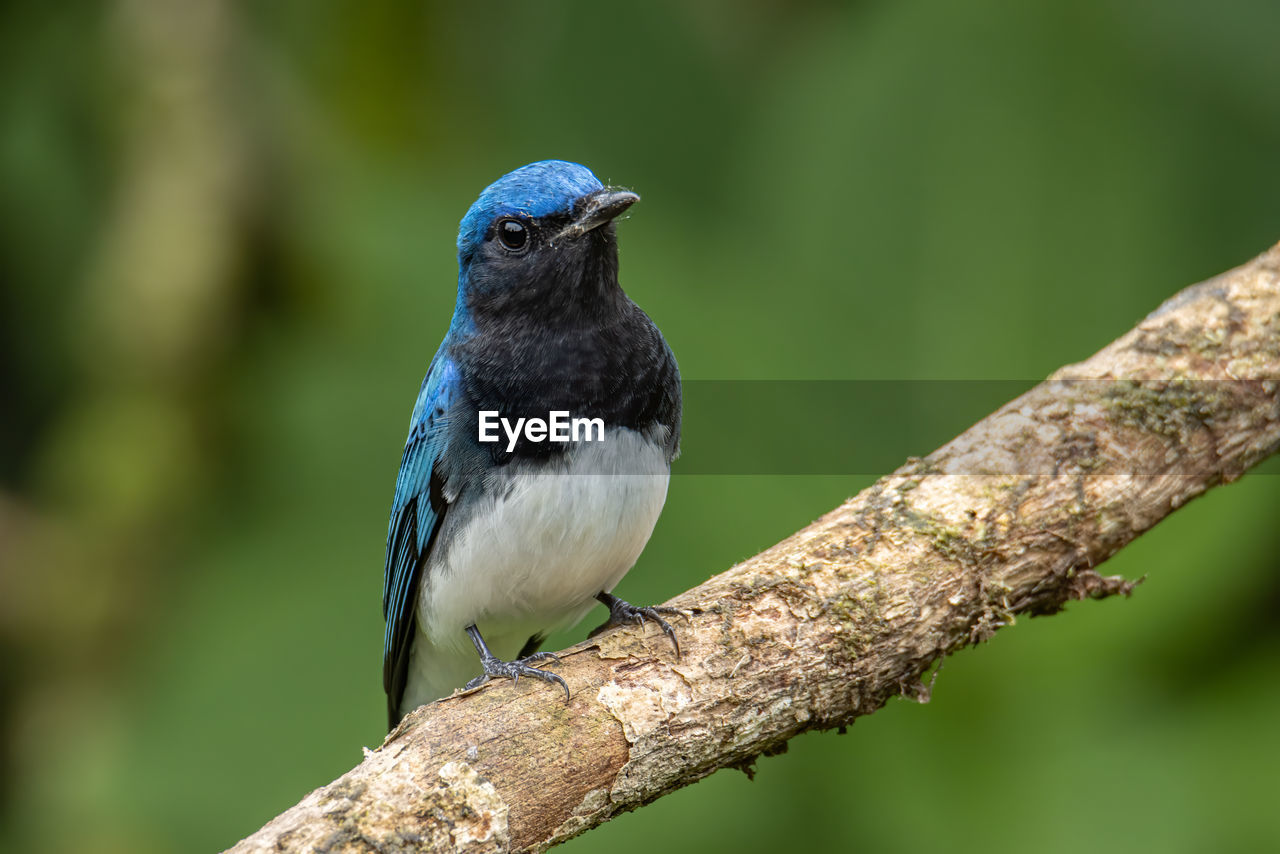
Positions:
(416, 513)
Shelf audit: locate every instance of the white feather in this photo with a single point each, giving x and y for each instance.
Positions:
(532, 559)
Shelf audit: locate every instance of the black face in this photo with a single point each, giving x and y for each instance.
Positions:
(552, 330)
(529, 268)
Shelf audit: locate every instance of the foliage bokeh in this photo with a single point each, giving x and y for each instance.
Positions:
(226, 247)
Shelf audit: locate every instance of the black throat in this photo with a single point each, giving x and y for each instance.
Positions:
(563, 336)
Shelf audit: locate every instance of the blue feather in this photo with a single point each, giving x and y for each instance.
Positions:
(414, 521)
(545, 187)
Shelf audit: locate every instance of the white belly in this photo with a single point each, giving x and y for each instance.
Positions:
(532, 559)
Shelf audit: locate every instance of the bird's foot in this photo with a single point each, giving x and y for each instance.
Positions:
(515, 669)
(494, 666)
(622, 613)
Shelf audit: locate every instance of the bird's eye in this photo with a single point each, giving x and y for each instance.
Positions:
(514, 234)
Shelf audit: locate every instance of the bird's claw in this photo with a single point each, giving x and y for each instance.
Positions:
(623, 613)
(494, 666)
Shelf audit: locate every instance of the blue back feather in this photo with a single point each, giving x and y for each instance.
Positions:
(413, 519)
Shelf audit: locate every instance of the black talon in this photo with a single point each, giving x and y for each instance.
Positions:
(494, 666)
(623, 613)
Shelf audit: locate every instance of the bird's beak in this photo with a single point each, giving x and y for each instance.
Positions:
(595, 209)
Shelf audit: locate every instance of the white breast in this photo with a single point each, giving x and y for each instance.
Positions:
(533, 558)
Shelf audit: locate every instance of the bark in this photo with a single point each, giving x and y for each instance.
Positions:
(1009, 518)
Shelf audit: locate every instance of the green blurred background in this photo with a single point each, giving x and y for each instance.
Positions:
(226, 246)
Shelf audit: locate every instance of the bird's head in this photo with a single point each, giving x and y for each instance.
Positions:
(541, 239)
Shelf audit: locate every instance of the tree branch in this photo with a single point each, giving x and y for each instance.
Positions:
(1011, 517)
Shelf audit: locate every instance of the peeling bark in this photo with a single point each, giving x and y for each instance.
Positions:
(1011, 517)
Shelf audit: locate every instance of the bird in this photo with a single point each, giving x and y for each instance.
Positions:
(493, 544)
